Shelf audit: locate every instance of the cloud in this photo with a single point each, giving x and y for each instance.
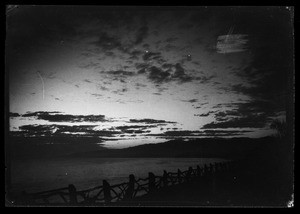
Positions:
(252, 114)
(198, 133)
(97, 95)
(258, 121)
(11, 114)
(121, 73)
(138, 85)
(157, 75)
(180, 74)
(54, 117)
(200, 105)
(167, 72)
(135, 127)
(206, 79)
(120, 92)
(190, 101)
(171, 39)
(167, 65)
(204, 114)
(107, 42)
(149, 121)
(88, 81)
(142, 33)
(151, 55)
(103, 88)
(64, 130)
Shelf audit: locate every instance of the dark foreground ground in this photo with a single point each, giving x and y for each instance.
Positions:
(262, 177)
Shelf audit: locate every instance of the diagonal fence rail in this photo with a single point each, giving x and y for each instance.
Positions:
(125, 191)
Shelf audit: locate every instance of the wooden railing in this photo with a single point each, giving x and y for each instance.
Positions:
(126, 191)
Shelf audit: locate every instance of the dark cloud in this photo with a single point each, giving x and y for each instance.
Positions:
(149, 121)
(121, 72)
(54, 117)
(11, 114)
(89, 65)
(165, 73)
(190, 101)
(180, 74)
(107, 42)
(151, 55)
(204, 114)
(258, 121)
(141, 65)
(141, 34)
(255, 114)
(110, 53)
(200, 105)
(37, 129)
(136, 52)
(103, 88)
(198, 133)
(142, 71)
(135, 127)
(229, 105)
(226, 131)
(140, 85)
(171, 39)
(97, 95)
(169, 47)
(157, 75)
(146, 46)
(37, 113)
(205, 79)
(64, 130)
(167, 65)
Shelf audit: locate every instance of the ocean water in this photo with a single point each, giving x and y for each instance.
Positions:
(39, 175)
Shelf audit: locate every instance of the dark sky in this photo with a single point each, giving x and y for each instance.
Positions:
(201, 70)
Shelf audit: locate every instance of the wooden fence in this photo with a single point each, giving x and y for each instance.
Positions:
(125, 191)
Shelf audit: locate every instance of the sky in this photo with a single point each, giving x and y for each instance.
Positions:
(147, 72)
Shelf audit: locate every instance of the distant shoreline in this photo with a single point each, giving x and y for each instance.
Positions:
(179, 148)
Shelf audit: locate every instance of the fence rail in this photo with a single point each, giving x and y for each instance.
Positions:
(125, 191)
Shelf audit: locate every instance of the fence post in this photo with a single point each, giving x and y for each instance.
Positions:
(198, 171)
(216, 167)
(189, 173)
(72, 193)
(205, 169)
(151, 182)
(165, 178)
(179, 176)
(130, 190)
(106, 191)
(211, 168)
